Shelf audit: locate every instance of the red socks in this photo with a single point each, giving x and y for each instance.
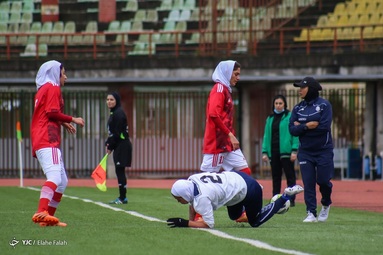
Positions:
(46, 195)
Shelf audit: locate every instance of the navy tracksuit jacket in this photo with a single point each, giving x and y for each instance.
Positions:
(315, 153)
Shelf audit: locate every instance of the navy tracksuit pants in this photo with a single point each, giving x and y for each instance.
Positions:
(316, 168)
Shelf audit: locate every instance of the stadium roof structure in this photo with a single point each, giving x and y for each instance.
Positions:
(244, 78)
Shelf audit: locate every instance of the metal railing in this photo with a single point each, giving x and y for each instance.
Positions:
(208, 43)
(166, 127)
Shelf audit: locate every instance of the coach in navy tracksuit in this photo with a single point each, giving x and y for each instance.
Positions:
(311, 121)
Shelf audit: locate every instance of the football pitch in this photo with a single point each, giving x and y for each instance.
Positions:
(95, 227)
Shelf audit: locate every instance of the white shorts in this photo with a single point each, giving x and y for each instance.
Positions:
(234, 160)
(53, 166)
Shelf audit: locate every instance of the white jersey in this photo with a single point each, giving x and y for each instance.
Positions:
(216, 190)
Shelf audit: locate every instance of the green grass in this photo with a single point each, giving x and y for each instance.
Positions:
(93, 229)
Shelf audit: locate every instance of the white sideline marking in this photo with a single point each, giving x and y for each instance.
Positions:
(218, 233)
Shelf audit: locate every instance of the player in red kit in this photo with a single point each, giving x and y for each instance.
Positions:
(221, 148)
(46, 125)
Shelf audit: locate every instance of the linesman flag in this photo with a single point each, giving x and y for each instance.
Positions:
(99, 174)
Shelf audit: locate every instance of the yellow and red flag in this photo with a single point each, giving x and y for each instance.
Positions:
(99, 174)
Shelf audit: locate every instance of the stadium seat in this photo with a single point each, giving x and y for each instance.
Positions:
(58, 27)
(4, 7)
(345, 33)
(149, 37)
(360, 8)
(189, 5)
(353, 19)
(350, 7)
(194, 39)
(364, 19)
(322, 21)
(114, 26)
(140, 15)
(375, 18)
(169, 26)
(137, 26)
(4, 17)
(343, 20)
(181, 26)
(368, 32)
(174, 15)
(195, 15)
(166, 38)
(125, 26)
(332, 20)
(327, 34)
(46, 28)
(178, 4)
(152, 15)
(185, 15)
(316, 34)
(303, 36)
(166, 5)
(16, 7)
(75, 39)
(28, 6)
(241, 47)
(26, 17)
(3, 29)
(70, 27)
(23, 39)
(31, 50)
(377, 32)
(122, 38)
(131, 6)
(14, 18)
(339, 8)
(91, 26)
(142, 48)
(36, 27)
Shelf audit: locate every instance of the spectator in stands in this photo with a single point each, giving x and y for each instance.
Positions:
(119, 142)
(47, 119)
(279, 147)
(311, 120)
(220, 147)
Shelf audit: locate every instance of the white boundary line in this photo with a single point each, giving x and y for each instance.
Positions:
(215, 232)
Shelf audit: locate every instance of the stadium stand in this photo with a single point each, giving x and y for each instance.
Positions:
(167, 17)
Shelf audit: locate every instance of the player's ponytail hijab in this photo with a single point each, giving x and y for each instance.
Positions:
(49, 72)
(223, 72)
(184, 189)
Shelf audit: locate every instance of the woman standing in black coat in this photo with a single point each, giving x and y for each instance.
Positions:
(119, 142)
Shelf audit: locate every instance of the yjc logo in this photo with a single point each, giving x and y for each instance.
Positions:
(27, 242)
(13, 242)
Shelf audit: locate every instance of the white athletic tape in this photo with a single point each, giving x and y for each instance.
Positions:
(215, 232)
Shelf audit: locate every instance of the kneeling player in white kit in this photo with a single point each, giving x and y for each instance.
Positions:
(207, 192)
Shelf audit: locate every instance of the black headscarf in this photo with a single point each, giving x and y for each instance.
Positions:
(118, 100)
(312, 93)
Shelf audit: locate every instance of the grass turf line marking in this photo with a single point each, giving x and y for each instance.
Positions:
(218, 233)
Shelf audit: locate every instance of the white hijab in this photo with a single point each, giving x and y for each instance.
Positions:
(223, 72)
(48, 72)
(184, 189)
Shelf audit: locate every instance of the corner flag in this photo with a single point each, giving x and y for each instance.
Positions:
(18, 131)
(20, 140)
(99, 174)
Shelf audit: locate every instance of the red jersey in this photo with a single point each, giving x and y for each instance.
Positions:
(44, 132)
(219, 121)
